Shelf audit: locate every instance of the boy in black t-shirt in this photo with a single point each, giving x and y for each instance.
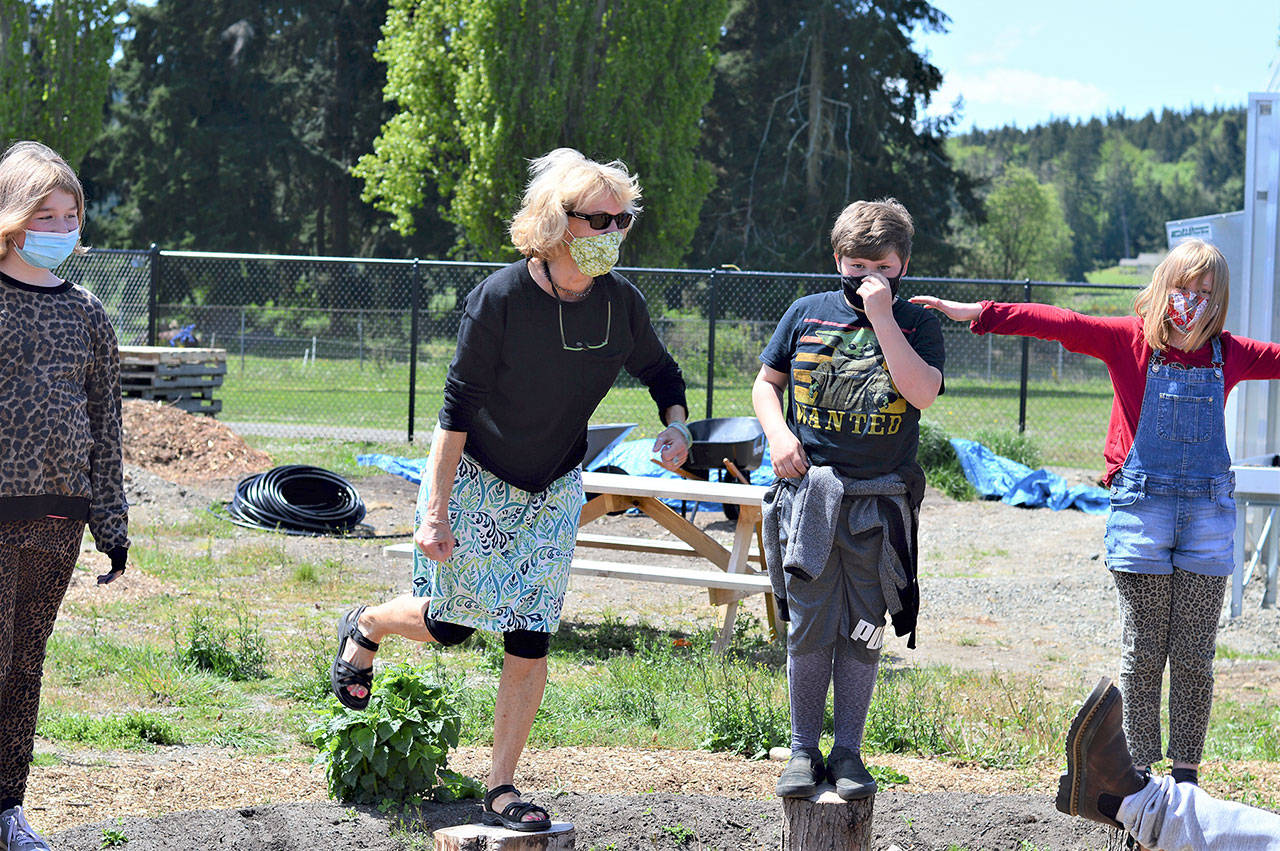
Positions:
(840, 522)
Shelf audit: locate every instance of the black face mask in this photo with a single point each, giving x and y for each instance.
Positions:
(852, 282)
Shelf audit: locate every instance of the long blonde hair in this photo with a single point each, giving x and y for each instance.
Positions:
(559, 182)
(29, 172)
(1184, 266)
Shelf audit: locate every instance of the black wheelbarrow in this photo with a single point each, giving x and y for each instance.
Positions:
(732, 445)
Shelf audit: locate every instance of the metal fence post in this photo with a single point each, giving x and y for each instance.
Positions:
(153, 256)
(414, 300)
(1026, 356)
(713, 308)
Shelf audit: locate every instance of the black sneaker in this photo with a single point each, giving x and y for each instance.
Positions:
(802, 774)
(849, 775)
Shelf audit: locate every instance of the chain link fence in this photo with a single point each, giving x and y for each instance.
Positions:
(358, 348)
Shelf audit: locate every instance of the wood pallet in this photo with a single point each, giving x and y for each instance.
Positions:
(184, 378)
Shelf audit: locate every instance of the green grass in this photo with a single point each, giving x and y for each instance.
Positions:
(131, 731)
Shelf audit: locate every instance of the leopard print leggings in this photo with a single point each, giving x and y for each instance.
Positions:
(1172, 617)
(36, 560)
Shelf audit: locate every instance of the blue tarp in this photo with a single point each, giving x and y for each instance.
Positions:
(633, 456)
(996, 477)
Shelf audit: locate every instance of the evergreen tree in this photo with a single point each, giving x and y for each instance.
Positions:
(818, 104)
(1121, 179)
(234, 127)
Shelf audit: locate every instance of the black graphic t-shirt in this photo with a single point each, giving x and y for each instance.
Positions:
(843, 405)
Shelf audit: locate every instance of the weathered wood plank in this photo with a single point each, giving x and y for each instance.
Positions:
(474, 837)
(686, 489)
(752, 583)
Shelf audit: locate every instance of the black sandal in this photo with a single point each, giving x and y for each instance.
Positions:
(345, 674)
(512, 815)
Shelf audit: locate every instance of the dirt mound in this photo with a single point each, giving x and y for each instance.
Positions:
(185, 447)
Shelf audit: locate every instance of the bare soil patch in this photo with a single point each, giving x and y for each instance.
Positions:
(1004, 589)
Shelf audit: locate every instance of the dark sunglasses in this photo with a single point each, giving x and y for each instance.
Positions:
(600, 221)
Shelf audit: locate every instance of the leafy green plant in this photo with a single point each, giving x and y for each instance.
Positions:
(397, 747)
(113, 837)
(238, 653)
(941, 466)
(742, 716)
(1014, 445)
(886, 776)
(679, 832)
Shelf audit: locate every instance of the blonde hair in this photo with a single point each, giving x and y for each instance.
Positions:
(1184, 267)
(558, 183)
(871, 229)
(29, 173)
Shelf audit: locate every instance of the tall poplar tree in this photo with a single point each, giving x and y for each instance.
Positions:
(53, 71)
(483, 86)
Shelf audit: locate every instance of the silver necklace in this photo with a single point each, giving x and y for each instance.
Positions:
(559, 293)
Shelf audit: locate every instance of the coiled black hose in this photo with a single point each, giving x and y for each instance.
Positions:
(297, 498)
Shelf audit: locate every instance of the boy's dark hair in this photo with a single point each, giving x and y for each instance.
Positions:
(872, 229)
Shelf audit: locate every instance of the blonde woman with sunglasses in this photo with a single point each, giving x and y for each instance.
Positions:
(541, 342)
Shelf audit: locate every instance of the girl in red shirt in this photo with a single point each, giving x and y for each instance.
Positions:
(1171, 529)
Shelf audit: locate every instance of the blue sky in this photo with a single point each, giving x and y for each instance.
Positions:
(1025, 62)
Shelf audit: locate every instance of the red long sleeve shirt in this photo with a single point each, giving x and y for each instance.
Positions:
(1117, 341)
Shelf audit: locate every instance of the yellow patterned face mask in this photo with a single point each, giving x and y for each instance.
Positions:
(596, 255)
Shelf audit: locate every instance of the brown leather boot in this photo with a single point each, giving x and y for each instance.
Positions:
(1098, 760)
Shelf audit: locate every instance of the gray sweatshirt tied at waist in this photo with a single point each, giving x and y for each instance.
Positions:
(810, 508)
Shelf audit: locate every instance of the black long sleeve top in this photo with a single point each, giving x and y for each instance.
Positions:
(522, 399)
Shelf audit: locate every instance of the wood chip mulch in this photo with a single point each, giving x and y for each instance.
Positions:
(185, 447)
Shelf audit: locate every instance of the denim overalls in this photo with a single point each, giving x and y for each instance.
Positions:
(1173, 500)
(1172, 506)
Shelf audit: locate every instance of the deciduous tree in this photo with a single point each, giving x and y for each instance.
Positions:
(53, 71)
(1025, 234)
(482, 86)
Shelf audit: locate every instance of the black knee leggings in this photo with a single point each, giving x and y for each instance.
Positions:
(518, 642)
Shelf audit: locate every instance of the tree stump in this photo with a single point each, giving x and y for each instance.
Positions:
(826, 822)
(478, 837)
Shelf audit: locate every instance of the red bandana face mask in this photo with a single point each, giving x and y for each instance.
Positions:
(1186, 309)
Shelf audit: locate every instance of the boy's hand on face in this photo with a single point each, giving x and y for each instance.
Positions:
(877, 296)
(789, 460)
(962, 311)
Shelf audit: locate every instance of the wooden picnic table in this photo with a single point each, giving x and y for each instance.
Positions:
(731, 574)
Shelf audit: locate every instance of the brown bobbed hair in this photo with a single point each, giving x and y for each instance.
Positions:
(29, 172)
(872, 229)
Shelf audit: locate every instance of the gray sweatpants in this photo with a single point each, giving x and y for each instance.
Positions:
(1169, 816)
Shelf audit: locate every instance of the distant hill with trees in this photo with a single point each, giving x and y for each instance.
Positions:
(1117, 180)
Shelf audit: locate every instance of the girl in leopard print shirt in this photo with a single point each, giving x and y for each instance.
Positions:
(60, 451)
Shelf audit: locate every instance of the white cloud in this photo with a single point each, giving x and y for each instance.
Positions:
(1024, 90)
(1006, 42)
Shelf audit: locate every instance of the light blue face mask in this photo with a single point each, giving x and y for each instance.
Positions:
(46, 250)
